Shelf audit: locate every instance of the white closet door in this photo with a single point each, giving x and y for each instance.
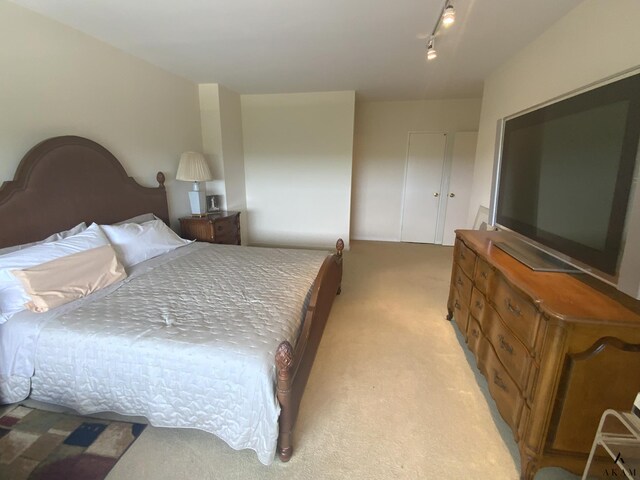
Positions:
(458, 196)
(425, 159)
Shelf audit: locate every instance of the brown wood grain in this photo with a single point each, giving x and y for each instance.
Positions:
(293, 366)
(558, 294)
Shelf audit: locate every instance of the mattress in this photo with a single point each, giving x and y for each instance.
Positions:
(190, 342)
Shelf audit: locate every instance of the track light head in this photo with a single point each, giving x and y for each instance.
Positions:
(431, 50)
(449, 15)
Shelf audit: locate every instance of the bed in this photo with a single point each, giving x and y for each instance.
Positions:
(215, 337)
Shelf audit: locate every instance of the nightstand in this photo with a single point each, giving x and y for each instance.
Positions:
(220, 227)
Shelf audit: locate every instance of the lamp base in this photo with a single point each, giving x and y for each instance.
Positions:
(198, 203)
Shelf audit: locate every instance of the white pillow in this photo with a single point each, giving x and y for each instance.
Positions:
(71, 277)
(12, 295)
(145, 217)
(81, 227)
(53, 238)
(135, 243)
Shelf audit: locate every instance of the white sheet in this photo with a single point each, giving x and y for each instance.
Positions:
(188, 343)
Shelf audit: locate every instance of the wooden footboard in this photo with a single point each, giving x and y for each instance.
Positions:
(294, 365)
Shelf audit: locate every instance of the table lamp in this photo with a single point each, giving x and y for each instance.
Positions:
(193, 168)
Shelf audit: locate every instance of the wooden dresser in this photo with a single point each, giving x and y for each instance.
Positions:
(221, 227)
(555, 351)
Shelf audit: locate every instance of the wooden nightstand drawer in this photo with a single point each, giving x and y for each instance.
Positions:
(223, 227)
(227, 229)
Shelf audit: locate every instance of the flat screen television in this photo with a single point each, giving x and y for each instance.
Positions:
(564, 179)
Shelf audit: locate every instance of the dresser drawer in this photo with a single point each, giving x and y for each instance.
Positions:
(482, 276)
(477, 305)
(532, 382)
(465, 258)
(474, 335)
(510, 351)
(222, 228)
(518, 312)
(522, 424)
(502, 387)
(462, 283)
(460, 311)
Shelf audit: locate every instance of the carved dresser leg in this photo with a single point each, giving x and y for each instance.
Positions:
(529, 468)
(449, 314)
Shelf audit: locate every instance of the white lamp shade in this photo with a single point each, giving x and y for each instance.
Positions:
(193, 168)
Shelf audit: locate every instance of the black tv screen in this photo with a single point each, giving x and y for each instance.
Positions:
(566, 172)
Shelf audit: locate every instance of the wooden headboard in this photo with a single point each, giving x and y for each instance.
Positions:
(66, 180)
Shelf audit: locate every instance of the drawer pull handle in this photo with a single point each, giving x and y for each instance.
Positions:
(456, 305)
(504, 345)
(459, 281)
(499, 382)
(513, 308)
(479, 305)
(484, 275)
(475, 333)
(462, 256)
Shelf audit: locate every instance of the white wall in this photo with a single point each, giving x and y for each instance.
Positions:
(233, 156)
(212, 136)
(298, 157)
(380, 153)
(221, 117)
(597, 39)
(58, 81)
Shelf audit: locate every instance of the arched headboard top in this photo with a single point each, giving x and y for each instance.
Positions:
(66, 180)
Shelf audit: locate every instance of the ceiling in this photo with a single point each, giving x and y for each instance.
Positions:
(375, 47)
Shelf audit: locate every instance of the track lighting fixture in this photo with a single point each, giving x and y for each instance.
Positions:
(431, 50)
(446, 18)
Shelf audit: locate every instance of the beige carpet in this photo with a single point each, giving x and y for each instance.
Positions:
(393, 392)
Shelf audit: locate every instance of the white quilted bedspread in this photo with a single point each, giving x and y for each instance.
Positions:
(190, 343)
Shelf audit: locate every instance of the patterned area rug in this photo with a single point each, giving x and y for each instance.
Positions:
(36, 444)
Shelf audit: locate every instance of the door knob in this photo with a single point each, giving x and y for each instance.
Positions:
(436, 194)
(452, 195)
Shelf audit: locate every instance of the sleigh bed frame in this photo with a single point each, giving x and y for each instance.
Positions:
(66, 180)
